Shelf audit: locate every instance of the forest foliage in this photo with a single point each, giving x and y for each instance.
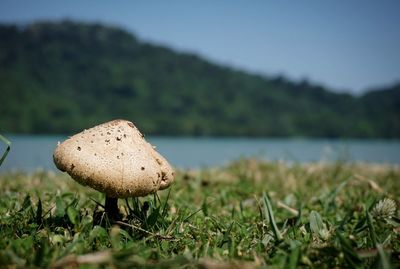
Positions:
(62, 77)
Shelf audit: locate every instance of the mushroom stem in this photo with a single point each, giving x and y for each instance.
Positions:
(111, 207)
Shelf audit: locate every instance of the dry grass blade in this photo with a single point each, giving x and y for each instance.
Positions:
(159, 236)
(97, 258)
(372, 184)
(288, 208)
(208, 263)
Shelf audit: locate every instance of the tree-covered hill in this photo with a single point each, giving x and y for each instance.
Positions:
(62, 77)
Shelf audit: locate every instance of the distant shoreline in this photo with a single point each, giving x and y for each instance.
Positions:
(30, 152)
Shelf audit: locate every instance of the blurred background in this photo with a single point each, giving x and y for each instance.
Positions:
(207, 82)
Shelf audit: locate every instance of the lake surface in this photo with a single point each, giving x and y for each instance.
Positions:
(29, 153)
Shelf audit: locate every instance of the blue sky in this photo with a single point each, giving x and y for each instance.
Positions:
(345, 45)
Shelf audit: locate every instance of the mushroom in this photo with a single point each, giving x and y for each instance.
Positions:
(115, 159)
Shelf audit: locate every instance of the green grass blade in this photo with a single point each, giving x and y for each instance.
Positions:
(352, 258)
(8, 143)
(294, 256)
(73, 215)
(371, 228)
(317, 225)
(154, 217)
(270, 214)
(165, 206)
(39, 212)
(192, 214)
(383, 258)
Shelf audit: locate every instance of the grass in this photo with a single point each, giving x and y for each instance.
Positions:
(248, 214)
(7, 150)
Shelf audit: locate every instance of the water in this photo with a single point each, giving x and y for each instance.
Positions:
(29, 153)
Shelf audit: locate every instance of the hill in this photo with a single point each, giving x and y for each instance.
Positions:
(62, 77)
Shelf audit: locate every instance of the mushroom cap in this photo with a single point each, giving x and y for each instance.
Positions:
(114, 158)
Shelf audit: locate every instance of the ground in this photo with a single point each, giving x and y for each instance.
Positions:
(248, 214)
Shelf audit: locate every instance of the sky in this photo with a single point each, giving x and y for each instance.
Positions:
(348, 46)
